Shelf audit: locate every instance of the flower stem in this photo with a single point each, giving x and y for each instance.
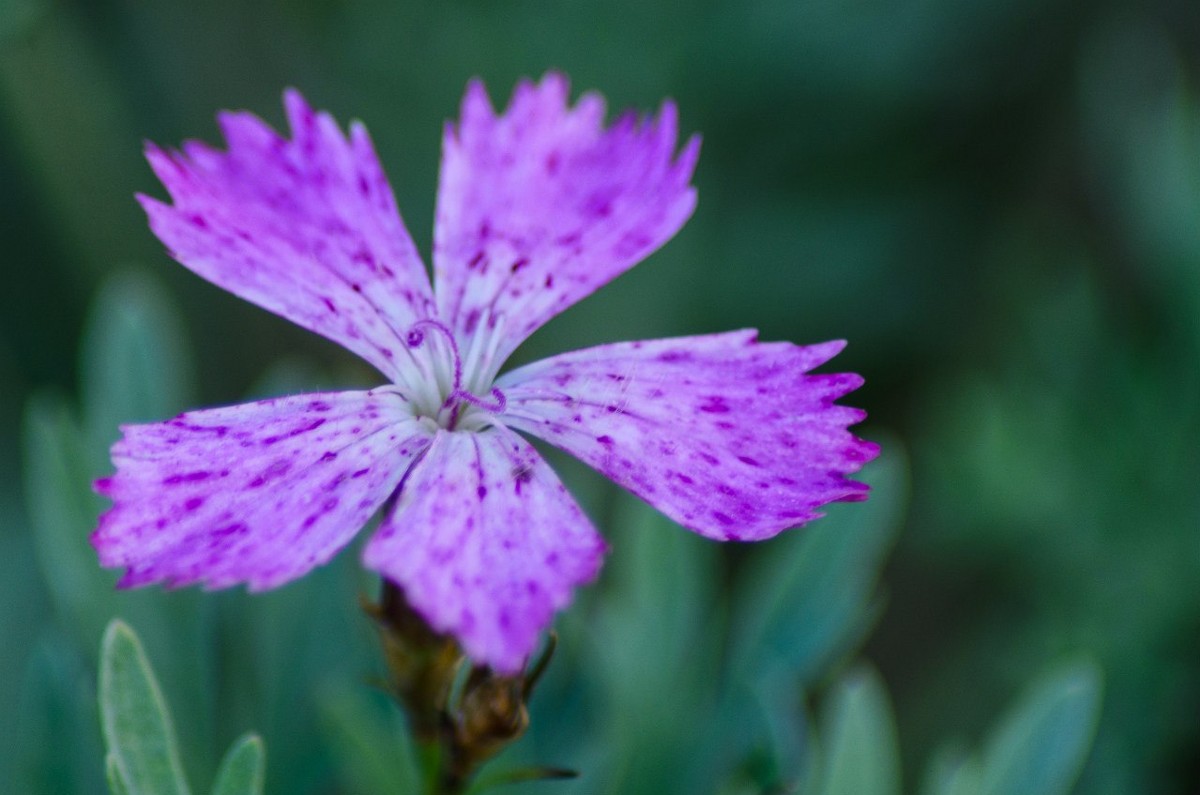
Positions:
(459, 720)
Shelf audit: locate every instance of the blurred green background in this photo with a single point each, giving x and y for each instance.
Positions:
(996, 202)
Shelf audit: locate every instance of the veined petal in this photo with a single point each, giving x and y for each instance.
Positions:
(541, 205)
(486, 543)
(306, 228)
(726, 435)
(258, 493)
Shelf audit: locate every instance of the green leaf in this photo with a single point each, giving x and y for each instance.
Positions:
(655, 652)
(116, 782)
(243, 769)
(56, 746)
(135, 360)
(63, 511)
(1040, 746)
(861, 753)
(134, 367)
(952, 772)
(137, 724)
(654, 624)
(766, 732)
(373, 749)
(805, 597)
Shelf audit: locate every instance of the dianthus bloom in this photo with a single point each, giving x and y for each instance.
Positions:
(536, 208)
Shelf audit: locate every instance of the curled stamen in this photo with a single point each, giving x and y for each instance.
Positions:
(415, 337)
(495, 408)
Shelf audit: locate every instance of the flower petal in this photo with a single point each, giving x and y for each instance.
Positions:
(540, 206)
(306, 228)
(257, 493)
(486, 543)
(726, 435)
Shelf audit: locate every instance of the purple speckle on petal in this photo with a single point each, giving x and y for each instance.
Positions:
(311, 426)
(715, 404)
(187, 477)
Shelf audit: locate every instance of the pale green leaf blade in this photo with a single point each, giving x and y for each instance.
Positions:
(806, 595)
(1040, 746)
(63, 512)
(116, 781)
(861, 751)
(952, 772)
(243, 769)
(655, 652)
(372, 749)
(136, 363)
(56, 748)
(137, 724)
(655, 623)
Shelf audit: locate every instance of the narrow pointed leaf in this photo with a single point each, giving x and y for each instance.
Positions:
(116, 781)
(652, 648)
(952, 772)
(137, 724)
(862, 757)
(805, 596)
(1040, 746)
(135, 361)
(62, 511)
(243, 769)
(372, 753)
(55, 746)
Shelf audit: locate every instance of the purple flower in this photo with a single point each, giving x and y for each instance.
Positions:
(536, 208)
